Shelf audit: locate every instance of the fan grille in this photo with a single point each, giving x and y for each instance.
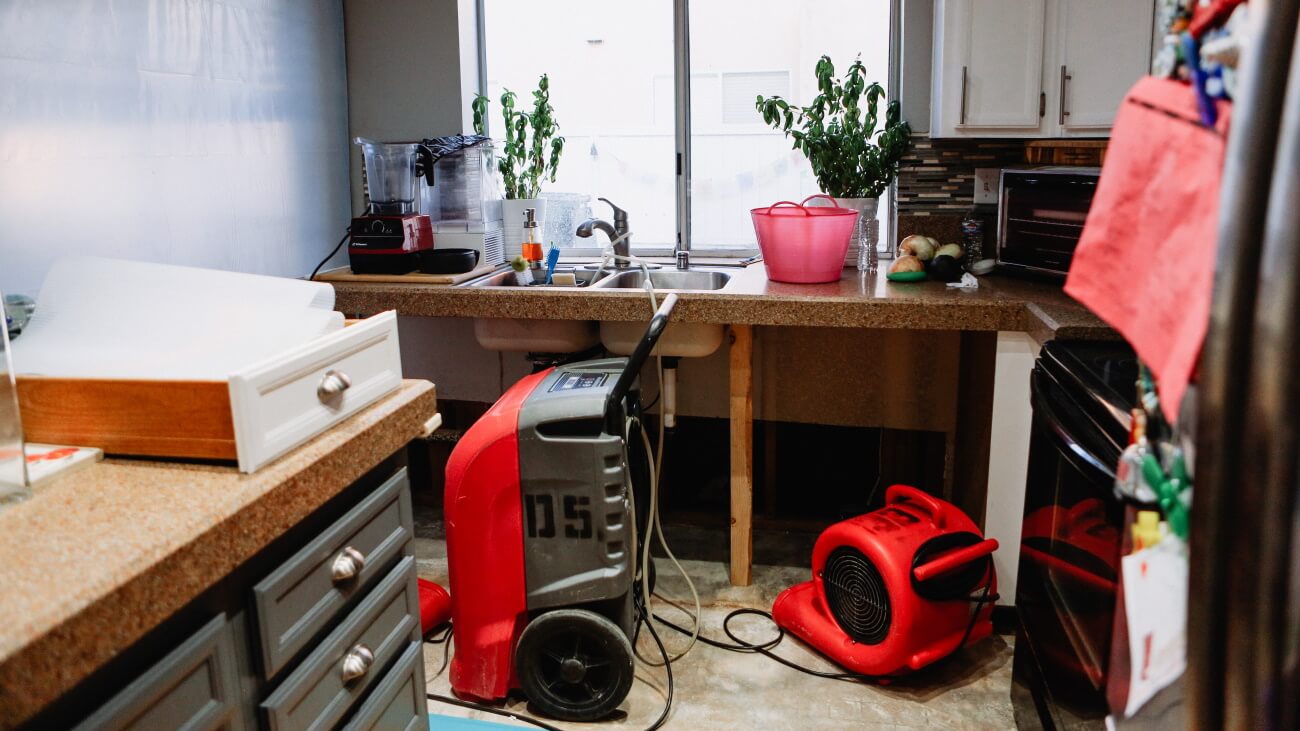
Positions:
(856, 595)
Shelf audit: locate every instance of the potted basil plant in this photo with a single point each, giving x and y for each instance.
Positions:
(853, 156)
(531, 154)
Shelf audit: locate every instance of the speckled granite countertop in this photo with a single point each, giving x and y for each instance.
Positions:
(96, 559)
(857, 300)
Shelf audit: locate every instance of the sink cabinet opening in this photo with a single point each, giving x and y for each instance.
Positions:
(806, 477)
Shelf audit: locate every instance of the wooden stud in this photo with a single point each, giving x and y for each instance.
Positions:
(742, 455)
(970, 451)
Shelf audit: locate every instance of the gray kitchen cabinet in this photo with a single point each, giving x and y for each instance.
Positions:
(194, 687)
(320, 631)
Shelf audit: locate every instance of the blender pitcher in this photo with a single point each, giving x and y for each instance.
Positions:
(392, 171)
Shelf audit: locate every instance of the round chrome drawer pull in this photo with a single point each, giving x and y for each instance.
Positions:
(332, 384)
(347, 565)
(357, 663)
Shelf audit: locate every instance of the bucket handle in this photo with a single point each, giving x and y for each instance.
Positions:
(786, 203)
(820, 195)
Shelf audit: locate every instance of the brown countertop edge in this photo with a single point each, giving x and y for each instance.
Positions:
(1041, 309)
(96, 559)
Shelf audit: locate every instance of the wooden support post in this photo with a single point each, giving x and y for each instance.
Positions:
(970, 453)
(742, 455)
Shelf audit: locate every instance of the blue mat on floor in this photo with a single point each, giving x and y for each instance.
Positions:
(439, 722)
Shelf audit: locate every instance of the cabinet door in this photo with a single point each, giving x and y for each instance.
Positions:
(1105, 46)
(993, 58)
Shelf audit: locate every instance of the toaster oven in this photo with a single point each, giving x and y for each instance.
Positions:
(1041, 212)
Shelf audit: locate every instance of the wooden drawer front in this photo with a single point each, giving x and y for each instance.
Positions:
(316, 694)
(397, 702)
(194, 688)
(281, 403)
(302, 596)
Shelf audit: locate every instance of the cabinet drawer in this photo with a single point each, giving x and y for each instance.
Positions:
(397, 703)
(281, 403)
(305, 594)
(194, 688)
(319, 692)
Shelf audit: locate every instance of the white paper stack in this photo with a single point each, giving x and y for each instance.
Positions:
(107, 318)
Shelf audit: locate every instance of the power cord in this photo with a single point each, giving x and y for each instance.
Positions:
(337, 246)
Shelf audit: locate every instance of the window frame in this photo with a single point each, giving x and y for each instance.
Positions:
(682, 130)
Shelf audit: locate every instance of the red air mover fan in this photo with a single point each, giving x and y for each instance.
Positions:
(893, 590)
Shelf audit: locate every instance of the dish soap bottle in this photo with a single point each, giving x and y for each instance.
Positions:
(532, 244)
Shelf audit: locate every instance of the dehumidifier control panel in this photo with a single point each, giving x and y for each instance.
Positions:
(574, 380)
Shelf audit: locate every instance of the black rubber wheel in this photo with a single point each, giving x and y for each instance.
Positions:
(574, 665)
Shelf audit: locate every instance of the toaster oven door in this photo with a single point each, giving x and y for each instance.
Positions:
(1041, 217)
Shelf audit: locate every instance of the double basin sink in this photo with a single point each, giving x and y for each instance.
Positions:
(686, 340)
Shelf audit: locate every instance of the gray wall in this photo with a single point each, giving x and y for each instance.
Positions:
(412, 69)
(203, 133)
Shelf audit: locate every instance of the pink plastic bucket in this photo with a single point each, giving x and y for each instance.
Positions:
(804, 244)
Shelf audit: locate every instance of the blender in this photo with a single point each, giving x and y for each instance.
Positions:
(392, 238)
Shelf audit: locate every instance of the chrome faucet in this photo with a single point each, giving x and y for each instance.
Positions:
(617, 233)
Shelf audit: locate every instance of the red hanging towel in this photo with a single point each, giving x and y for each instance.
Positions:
(1145, 260)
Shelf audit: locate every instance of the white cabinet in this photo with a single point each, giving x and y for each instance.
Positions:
(1035, 68)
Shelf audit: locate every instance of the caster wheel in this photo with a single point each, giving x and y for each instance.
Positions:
(574, 665)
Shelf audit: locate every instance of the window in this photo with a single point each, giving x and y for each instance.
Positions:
(612, 72)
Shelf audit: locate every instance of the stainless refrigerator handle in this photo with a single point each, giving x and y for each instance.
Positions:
(1061, 106)
(962, 119)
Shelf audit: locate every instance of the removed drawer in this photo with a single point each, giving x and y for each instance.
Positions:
(306, 593)
(194, 688)
(253, 416)
(321, 691)
(398, 702)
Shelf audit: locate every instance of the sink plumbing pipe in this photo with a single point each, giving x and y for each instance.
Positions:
(668, 396)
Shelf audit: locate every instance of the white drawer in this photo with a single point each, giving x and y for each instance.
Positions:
(284, 401)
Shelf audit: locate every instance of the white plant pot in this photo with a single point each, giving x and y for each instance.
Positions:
(867, 231)
(512, 216)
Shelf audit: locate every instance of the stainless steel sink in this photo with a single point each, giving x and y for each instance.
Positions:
(696, 279)
(506, 278)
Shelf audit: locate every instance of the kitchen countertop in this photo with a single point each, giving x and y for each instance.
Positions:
(858, 300)
(97, 558)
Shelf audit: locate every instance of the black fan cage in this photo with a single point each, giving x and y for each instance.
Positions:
(856, 595)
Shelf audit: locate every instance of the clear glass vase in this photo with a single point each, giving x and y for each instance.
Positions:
(866, 234)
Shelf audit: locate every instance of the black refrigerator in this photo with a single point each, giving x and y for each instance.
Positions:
(1244, 580)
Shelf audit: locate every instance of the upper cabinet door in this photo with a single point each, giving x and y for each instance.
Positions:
(987, 72)
(1003, 63)
(1105, 46)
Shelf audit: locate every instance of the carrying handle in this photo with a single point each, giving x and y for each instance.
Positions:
(613, 412)
(909, 494)
(820, 195)
(953, 560)
(787, 203)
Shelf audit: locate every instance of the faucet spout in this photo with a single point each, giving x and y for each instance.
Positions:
(617, 232)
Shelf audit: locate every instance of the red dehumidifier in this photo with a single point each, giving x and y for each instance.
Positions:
(540, 547)
(895, 589)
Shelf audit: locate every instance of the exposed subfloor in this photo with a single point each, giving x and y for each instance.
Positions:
(716, 689)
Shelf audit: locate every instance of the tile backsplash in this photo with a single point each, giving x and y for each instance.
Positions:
(936, 180)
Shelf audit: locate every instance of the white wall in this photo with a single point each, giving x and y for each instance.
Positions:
(203, 133)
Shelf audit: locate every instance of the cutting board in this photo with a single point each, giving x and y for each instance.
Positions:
(345, 274)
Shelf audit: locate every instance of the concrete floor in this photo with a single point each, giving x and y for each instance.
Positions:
(715, 689)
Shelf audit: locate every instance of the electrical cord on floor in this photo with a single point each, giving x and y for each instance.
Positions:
(445, 640)
(337, 246)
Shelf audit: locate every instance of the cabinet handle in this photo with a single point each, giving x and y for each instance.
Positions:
(332, 384)
(1061, 108)
(357, 663)
(962, 119)
(347, 565)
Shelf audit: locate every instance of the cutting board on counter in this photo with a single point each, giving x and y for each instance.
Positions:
(345, 274)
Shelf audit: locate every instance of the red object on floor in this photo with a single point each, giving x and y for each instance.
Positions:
(892, 590)
(435, 605)
(483, 509)
(1145, 260)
